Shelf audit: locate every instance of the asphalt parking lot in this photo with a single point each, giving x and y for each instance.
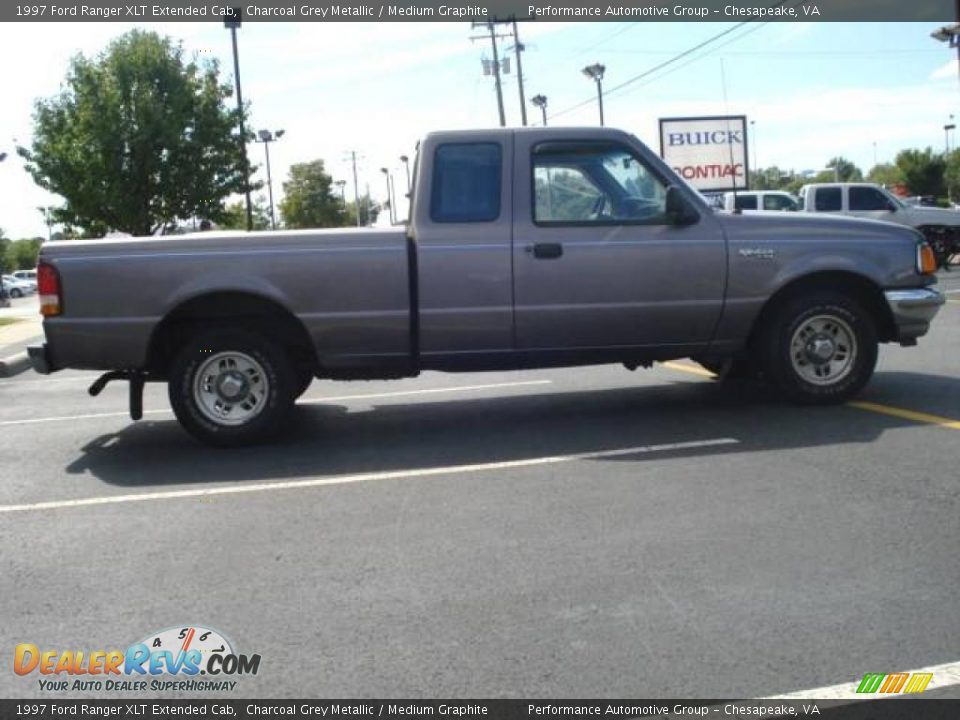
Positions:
(564, 533)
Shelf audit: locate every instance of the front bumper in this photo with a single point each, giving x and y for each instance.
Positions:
(912, 311)
(40, 359)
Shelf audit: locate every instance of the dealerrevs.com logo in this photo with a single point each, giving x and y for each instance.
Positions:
(170, 660)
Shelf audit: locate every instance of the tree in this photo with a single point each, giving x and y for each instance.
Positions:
(21, 254)
(234, 215)
(307, 198)
(840, 170)
(138, 138)
(886, 174)
(771, 178)
(922, 171)
(951, 175)
(369, 212)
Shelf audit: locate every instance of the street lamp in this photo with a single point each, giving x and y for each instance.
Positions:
(406, 164)
(946, 135)
(266, 137)
(232, 23)
(595, 72)
(540, 101)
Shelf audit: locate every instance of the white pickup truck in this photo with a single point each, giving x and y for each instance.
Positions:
(760, 200)
(941, 227)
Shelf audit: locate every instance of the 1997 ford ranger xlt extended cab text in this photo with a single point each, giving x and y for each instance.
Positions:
(526, 248)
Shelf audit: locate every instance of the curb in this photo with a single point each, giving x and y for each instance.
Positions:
(14, 365)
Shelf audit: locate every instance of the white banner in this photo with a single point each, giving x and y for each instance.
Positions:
(710, 153)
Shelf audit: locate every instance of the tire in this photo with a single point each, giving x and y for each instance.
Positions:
(304, 378)
(16, 293)
(820, 349)
(232, 387)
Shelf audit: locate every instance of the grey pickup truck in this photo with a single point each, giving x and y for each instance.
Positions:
(525, 248)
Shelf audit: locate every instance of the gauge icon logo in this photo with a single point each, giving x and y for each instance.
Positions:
(189, 649)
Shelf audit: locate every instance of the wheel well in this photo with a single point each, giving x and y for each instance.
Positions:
(252, 312)
(862, 289)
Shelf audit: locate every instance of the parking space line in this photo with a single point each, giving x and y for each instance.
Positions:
(241, 488)
(308, 401)
(945, 675)
(891, 410)
(920, 417)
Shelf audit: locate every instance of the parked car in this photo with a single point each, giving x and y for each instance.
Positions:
(18, 288)
(526, 247)
(760, 200)
(940, 226)
(27, 275)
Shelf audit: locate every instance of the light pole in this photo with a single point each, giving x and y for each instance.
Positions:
(946, 135)
(595, 72)
(753, 141)
(343, 196)
(386, 174)
(267, 137)
(540, 101)
(874, 153)
(406, 164)
(232, 23)
(950, 34)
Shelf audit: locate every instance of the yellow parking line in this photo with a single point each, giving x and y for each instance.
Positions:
(903, 413)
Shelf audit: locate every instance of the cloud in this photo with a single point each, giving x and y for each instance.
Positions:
(947, 70)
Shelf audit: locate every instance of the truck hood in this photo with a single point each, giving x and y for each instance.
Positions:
(226, 241)
(792, 226)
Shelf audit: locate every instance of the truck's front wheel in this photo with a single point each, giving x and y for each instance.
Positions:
(820, 349)
(231, 387)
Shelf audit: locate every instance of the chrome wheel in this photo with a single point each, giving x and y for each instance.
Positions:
(823, 350)
(231, 388)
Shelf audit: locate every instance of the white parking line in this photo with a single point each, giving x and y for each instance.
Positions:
(945, 675)
(238, 488)
(309, 401)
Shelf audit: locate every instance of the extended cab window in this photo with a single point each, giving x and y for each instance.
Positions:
(594, 183)
(745, 202)
(779, 202)
(827, 200)
(466, 183)
(868, 198)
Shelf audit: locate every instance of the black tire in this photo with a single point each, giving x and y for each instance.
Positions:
(303, 382)
(791, 370)
(272, 382)
(16, 293)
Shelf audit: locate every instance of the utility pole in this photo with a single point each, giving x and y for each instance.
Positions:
(356, 188)
(233, 22)
(518, 48)
(496, 67)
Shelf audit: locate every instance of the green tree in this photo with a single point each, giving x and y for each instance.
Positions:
(923, 171)
(951, 175)
(22, 254)
(771, 178)
(369, 212)
(886, 174)
(4, 247)
(308, 201)
(841, 170)
(138, 138)
(234, 215)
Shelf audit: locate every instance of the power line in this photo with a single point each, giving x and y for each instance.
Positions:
(671, 60)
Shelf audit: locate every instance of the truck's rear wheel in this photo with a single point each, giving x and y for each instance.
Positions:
(820, 349)
(231, 387)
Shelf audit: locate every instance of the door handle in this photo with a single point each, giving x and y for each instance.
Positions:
(546, 251)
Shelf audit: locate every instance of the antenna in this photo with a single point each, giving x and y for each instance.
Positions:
(726, 111)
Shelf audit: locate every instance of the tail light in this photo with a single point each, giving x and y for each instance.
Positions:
(926, 260)
(48, 286)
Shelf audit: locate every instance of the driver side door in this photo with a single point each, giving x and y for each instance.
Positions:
(597, 264)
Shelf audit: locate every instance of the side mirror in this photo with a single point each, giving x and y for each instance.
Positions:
(678, 209)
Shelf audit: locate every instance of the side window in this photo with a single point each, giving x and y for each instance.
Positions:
(868, 198)
(594, 183)
(746, 202)
(827, 200)
(778, 202)
(466, 183)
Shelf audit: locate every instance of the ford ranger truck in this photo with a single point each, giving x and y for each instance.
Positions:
(526, 248)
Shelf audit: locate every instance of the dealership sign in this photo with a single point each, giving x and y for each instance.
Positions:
(710, 153)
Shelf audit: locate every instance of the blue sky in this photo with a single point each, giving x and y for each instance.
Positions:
(814, 90)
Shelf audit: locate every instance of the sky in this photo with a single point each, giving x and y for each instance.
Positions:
(812, 90)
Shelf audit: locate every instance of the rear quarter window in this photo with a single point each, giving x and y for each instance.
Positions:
(466, 183)
(827, 200)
